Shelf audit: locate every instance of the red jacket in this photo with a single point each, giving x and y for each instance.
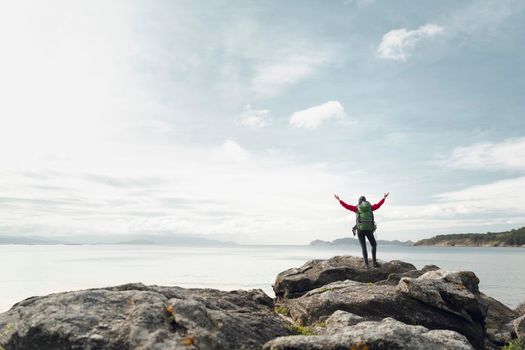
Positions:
(354, 208)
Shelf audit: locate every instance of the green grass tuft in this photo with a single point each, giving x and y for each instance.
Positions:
(283, 310)
(516, 344)
(301, 329)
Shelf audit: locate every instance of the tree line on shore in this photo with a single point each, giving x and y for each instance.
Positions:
(514, 237)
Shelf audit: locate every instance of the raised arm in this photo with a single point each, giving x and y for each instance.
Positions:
(346, 206)
(380, 203)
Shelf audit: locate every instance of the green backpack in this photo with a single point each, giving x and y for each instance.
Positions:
(365, 217)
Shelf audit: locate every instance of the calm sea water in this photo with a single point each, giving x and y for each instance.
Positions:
(39, 270)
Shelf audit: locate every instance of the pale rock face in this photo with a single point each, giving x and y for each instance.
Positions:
(454, 292)
(295, 282)
(519, 326)
(386, 334)
(520, 309)
(142, 317)
(340, 320)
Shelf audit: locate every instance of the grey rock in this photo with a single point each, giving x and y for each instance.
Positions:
(340, 320)
(394, 278)
(375, 302)
(386, 334)
(498, 319)
(295, 282)
(520, 309)
(458, 292)
(454, 292)
(431, 297)
(519, 327)
(136, 316)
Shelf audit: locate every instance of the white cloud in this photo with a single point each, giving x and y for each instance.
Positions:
(293, 63)
(505, 155)
(501, 200)
(254, 118)
(313, 117)
(498, 205)
(506, 196)
(89, 102)
(230, 151)
(494, 206)
(398, 43)
(256, 60)
(479, 21)
(224, 192)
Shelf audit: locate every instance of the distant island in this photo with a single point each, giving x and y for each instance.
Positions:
(154, 239)
(355, 241)
(512, 238)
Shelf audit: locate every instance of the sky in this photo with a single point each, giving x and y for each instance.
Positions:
(239, 120)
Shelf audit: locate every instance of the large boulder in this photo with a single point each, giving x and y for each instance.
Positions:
(518, 324)
(454, 292)
(430, 297)
(458, 292)
(295, 282)
(375, 302)
(498, 319)
(372, 335)
(136, 316)
(519, 327)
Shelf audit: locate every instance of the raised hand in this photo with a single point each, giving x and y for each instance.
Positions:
(386, 194)
(337, 197)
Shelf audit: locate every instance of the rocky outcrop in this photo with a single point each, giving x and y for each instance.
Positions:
(453, 292)
(430, 297)
(520, 309)
(142, 317)
(375, 303)
(394, 278)
(295, 282)
(498, 318)
(519, 327)
(371, 335)
(394, 306)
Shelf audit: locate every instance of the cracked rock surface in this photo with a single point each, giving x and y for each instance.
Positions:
(372, 335)
(433, 298)
(395, 306)
(136, 316)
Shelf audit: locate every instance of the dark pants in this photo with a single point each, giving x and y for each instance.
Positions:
(370, 235)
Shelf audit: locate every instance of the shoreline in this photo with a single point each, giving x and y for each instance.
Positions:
(331, 299)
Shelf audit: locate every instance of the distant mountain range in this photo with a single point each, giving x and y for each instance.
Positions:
(112, 239)
(355, 241)
(27, 240)
(512, 238)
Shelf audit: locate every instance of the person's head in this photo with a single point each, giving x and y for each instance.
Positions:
(362, 199)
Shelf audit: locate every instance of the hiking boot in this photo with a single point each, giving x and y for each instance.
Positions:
(376, 264)
(365, 266)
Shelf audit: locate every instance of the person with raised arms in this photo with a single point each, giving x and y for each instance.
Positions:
(365, 224)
